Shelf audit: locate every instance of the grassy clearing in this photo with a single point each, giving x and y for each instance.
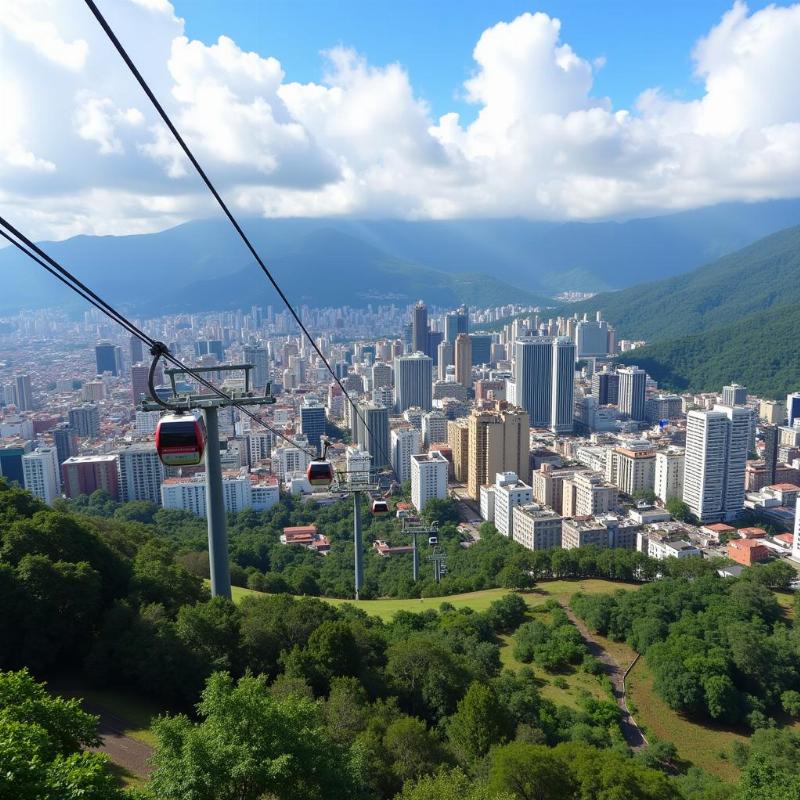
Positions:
(701, 745)
(478, 601)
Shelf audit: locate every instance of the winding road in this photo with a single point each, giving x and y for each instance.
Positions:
(130, 754)
(631, 731)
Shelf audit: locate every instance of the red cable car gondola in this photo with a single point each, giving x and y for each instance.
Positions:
(320, 473)
(181, 439)
(380, 508)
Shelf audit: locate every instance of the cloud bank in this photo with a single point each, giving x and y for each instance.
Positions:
(81, 151)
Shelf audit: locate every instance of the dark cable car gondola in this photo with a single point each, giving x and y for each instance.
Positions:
(181, 439)
(380, 508)
(320, 471)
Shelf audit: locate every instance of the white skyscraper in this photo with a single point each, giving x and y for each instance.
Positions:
(669, 474)
(544, 380)
(563, 385)
(405, 443)
(41, 473)
(716, 456)
(434, 427)
(413, 386)
(428, 478)
(140, 473)
(632, 383)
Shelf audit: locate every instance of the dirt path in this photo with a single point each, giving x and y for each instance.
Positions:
(630, 730)
(130, 754)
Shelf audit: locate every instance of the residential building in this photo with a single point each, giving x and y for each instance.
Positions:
(108, 357)
(445, 355)
(605, 387)
(632, 468)
(140, 374)
(428, 478)
(537, 528)
(140, 473)
(24, 393)
(463, 360)
(663, 548)
(239, 490)
(458, 439)
(498, 442)
(716, 456)
(413, 381)
(604, 532)
(586, 494)
(547, 486)
(373, 433)
(288, 459)
(405, 442)
(306, 536)
(563, 407)
(509, 492)
(434, 427)
(257, 356)
(770, 434)
(663, 406)
(64, 440)
(88, 474)
(668, 478)
(772, 411)
(259, 446)
(734, 395)
(747, 551)
(382, 375)
(85, 421)
(41, 474)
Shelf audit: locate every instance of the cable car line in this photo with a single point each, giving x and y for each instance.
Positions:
(26, 246)
(222, 204)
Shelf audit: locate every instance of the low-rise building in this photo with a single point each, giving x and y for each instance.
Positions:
(586, 494)
(603, 532)
(747, 551)
(667, 548)
(306, 536)
(537, 528)
(509, 492)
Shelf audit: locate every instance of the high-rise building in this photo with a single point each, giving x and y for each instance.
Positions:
(257, 356)
(632, 468)
(140, 473)
(458, 441)
(434, 427)
(373, 437)
(632, 385)
(405, 443)
(85, 421)
(734, 395)
(24, 399)
(669, 474)
(11, 454)
(792, 408)
(771, 444)
(108, 357)
(259, 446)
(444, 358)
(413, 376)
(136, 350)
(382, 375)
(716, 456)
(41, 474)
(139, 382)
(481, 348)
(498, 442)
(312, 423)
(428, 478)
(419, 328)
(591, 338)
(456, 322)
(64, 441)
(563, 407)
(605, 387)
(87, 474)
(586, 494)
(463, 360)
(663, 406)
(509, 492)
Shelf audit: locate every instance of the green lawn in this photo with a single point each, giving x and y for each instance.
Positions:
(701, 745)
(479, 601)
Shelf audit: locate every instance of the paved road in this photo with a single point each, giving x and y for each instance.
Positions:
(130, 754)
(630, 730)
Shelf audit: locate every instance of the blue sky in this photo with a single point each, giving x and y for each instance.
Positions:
(644, 44)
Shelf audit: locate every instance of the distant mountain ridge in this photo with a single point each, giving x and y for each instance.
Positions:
(198, 264)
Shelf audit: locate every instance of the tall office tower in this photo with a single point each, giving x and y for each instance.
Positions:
(85, 421)
(734, 395)
(108, 357)
(771, 443)
(413, 382)
(428, 478)
(86, 474)
(382, 375)
(435, 338)
(139, 382)
(605, 387)
(141, 473)
(444, 358)
(563, 385)
(481, 348)
(405, 443)
(792, 408)
(632, 382)
(373, 437)
(41, 474)
(462, 320)
(716, 457)
(11, 461)
(434, 427)
(456, 322)
(591, 338)
(136, 350)
(458, 441)
(24, 393)
(312, 423)
(534, 378)
(257, 356)
(419, 328)
(64, 441)
(498, 442)
(463, 360)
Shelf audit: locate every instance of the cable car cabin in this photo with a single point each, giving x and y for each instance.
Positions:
(432, 540)
(380, 508)
(320, 473)
(181, 439)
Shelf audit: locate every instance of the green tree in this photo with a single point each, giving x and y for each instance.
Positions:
(481, 721)
(248, 745)
(678, 509)
(531, 772)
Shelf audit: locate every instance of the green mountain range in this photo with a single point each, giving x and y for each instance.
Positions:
(736, 319)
